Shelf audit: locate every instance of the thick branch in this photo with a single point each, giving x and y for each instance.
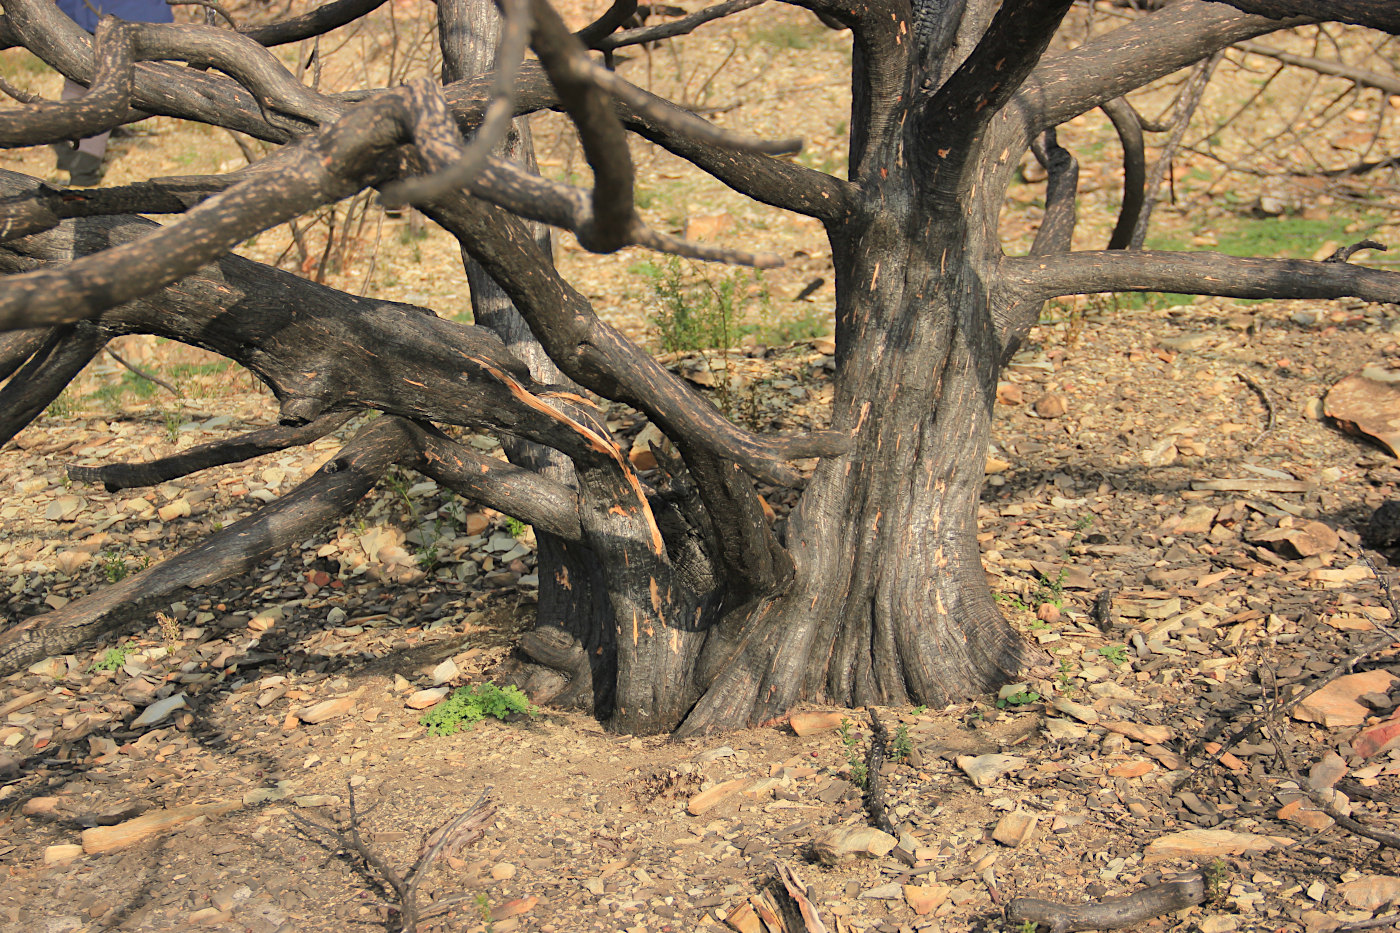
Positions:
(318, 501)
(115, 476)
(63, 355)
(44, 208)
(1128, 125)
(1197, 274)
(16, 346)
(1377, 14)
(1070, 83)
(949, 124)
(104, 106)
(314, 22)
(549, 506)
(597, 356)
(1114, 913)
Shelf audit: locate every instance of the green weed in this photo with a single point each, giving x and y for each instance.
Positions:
(114, 658)
(1020, 698)
(515, 527)
(1117, 655)
(469, 705)
(114, 565)
(901, 744)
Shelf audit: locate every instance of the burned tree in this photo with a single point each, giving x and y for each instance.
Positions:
(667, 602)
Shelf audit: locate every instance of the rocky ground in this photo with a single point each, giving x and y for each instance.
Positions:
(1128, 462)
(1167, 465)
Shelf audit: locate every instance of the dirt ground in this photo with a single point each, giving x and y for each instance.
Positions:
(1111, 428)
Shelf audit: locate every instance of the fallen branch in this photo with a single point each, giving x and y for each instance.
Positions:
(1114, 913)
(874, 781)
(1268, 406)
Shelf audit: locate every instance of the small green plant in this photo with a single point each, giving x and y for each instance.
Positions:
(1012, 601)
(1117, 655)
(483, 907)
(854, 758)
(1020, 698)
(114, 565)
(1028, 926)
(172, 426)
(1064, 683)
(902, 745)
(1216, 872)
(62, 407)
(515, 527)
(114, 658)
(469, 705)
(919, 710)
(427, 558)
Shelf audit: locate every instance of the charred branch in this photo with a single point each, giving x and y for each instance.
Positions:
(1067, 84)
(1128, 125)
(1377, 14)
(16, 346)
(55, 364)
(322, 498)
(1085, 273)
(116, 476)
(1114, 913)
(314, 22)
(676, 27)
(104, 106)
(949, 124)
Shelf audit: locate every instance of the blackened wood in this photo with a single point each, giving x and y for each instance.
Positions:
(1114, 913)
(41, 380)
(16, 346)
(319, 500)
(115, 476)
(1128, 125)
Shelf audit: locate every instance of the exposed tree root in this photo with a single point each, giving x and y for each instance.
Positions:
(319, 500)
(1114, 913)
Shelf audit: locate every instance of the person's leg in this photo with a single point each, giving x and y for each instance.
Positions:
(84, 165)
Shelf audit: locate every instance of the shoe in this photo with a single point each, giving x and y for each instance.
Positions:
(84, 170)
(64, 153)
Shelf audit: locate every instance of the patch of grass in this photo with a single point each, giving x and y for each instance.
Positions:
(791, 35)
(114, 658)
(469, 705)
(62, 407)
(515, 527)
(699, 311)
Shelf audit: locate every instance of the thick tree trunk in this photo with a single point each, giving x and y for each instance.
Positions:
(890, 604)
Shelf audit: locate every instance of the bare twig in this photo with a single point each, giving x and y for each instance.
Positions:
(1268, 406)
(1343, 253)
(141, 373)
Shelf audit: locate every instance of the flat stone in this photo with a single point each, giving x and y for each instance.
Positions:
(1368, 404)
(327, 710)
(1374, 740)
(1336, 704)
(811, 723)
(925, 898)
(1081, 711)
(1330, 769)
(884, 892)
(445, 672)
(1371, 892)
(426, 698)
(1062, 730)
(1015, 828)
(842, 842)
(1051, 405)
(158, 710)
(62, 853)
(986, 770)
(1208, 843)
(1305, 813)
(709, 799)
(1197, 521)
(1220, 923)
(503, 871)
(1300, 541)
